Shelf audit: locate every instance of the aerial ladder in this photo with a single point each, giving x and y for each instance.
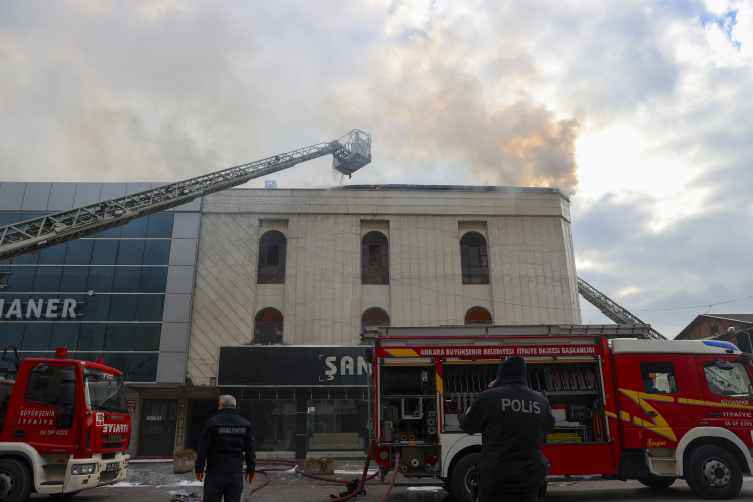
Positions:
(350, 153)
(611, 309)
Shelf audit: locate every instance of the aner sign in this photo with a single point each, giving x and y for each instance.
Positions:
(39, 309)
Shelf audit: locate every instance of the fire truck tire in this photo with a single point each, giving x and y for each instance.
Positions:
(658, 483)
(15, 480)
(460, 477)
(713, 473)
(64, 495)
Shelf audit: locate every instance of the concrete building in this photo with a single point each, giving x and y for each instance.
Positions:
(285, 280)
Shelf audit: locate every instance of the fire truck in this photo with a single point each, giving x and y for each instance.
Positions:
(625, 407)
(65, 426)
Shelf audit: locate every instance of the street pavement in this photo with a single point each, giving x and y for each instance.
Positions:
(154, 482)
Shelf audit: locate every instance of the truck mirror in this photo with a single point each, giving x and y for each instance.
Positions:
(724, 365)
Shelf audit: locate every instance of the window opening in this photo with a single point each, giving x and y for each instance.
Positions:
(272, 250)
(473, 259)
(375, 260)
(733, 382)
(268, 327)
(478, 315)
(44, 386)
(375, 317)
(658, 377)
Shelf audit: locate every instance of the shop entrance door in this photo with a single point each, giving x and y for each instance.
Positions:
(157, 428)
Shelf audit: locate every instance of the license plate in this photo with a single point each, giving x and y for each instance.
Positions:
(112, 467)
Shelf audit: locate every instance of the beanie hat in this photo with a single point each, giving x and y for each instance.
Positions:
(512, 367)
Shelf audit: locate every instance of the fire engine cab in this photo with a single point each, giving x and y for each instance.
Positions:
(625, 407)
(65, 426)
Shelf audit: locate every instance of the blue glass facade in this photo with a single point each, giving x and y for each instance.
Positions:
(118, 280)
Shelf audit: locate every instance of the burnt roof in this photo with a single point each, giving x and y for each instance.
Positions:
(743, 318)
(447, 188)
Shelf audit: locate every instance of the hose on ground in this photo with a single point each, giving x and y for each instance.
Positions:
(392, 483)
(363, 479)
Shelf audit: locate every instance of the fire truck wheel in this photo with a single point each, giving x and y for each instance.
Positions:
(658, 483)
(460, 477)
(64, 495)
(15, 481)
(713, 473)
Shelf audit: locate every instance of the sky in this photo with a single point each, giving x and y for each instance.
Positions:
(639, 111)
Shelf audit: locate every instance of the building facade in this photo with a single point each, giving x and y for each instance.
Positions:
(274, 289)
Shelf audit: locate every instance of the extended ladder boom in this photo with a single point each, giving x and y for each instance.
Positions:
(351, 152)
(611, 309)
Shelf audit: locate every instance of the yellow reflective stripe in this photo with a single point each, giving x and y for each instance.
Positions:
(659, 425)
(625, 416)
(440, 385)
(656, 397)
(401, 352)
(610, 414)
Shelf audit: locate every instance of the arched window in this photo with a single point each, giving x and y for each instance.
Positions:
(473, 259)
(478, 315)
(268, 327)
(375, 259)
(375, 317)
(272, 258)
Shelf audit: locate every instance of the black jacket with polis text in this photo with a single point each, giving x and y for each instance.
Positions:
(514, 421)
(224, 441)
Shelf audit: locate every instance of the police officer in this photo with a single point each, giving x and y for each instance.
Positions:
(224, 441)
(513, 420)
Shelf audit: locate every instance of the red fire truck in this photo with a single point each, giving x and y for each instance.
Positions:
(625, 407)
(65, 426)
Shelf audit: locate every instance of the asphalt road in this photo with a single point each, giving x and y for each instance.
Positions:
(154, 482)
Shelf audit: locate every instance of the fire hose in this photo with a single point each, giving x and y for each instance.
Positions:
(267, 466)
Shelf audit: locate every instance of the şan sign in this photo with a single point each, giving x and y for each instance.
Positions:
(39, 309)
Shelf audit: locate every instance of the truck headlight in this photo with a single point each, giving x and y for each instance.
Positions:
(125, 464)
(83, 469)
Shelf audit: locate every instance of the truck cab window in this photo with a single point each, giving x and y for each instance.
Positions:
(733, 382)
(658, 377)
(44, 386)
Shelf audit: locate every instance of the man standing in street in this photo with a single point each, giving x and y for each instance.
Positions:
(225, 440)
(513, 420)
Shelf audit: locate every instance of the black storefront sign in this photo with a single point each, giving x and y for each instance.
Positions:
(294, 366)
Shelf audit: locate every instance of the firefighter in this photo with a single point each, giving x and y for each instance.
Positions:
(513, 420)
(225, 440)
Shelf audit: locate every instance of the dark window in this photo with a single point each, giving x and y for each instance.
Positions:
(150, 308)
(64, 335)
(105, 252)
(91, 337)
(100, 279)
(37, 336)
(658, 377)
(375, 260)
(375, 317)
(119, 361)
(131, 252)
(272, 258)
(143, 367)
(79, 252)
(21, 279)
(123, 308)
(44, 387)
(146, 337)
(157, 252)
(88, 356)
(53, 256)
(96, 308)
(473, 259)
(26, 259)
(134, 229)
(48, 279)
(160, 225)
(112, 233)
(268, 328)
(153, 279)
(74, 279)
(126, 280)
(478, 315)
(11, 334)
(119, 337)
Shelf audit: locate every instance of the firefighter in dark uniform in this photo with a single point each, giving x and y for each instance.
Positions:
(513, 420)
(225, 440)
